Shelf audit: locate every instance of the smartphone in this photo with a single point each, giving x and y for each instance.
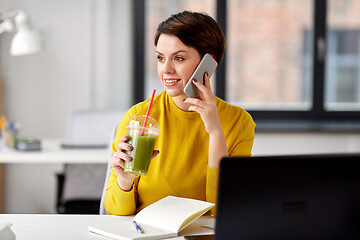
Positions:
(207, 64)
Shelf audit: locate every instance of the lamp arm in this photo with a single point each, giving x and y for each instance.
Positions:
(6, 26)
(5, 23)
(4, 16)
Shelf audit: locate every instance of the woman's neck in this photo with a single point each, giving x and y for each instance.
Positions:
(178, 100)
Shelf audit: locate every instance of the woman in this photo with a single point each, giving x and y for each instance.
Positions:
(195, 134)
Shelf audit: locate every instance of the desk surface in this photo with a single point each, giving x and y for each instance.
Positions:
(56, 227)
(53, 153)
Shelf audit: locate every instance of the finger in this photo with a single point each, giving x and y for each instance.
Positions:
(121, 163)
(123, 156)
(195, 101)
(117, 162)
(155, 153)
(203, 89)
(124, 146)
(199, 85)
(124, 138)
(207, 81)
(194, 108)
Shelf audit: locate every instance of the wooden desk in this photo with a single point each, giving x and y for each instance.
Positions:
(53, 153)
(60, 227)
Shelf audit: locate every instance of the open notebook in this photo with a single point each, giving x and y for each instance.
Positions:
(162, 219)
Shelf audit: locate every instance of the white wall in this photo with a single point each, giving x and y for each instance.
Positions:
(73, 71)
(82, 66)
(42, 88)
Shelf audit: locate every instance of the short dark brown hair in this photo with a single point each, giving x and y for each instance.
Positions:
(197, 30)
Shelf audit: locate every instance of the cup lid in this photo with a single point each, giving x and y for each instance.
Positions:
(138, 122)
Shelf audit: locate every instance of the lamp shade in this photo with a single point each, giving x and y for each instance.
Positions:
(25, 41)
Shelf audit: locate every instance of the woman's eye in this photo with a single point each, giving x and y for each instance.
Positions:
(160, 58)
(179, 58)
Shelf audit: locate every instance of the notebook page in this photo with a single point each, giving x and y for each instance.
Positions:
(171, 212)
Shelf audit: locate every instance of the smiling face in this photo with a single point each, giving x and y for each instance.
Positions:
(176, 64)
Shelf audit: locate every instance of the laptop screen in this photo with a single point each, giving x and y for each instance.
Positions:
(289, 197)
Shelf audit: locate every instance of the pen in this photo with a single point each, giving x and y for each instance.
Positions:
(137, 227)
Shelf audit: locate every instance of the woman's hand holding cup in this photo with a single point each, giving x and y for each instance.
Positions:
(125, 180)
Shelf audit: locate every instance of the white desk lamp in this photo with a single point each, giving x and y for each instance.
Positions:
(26, 40)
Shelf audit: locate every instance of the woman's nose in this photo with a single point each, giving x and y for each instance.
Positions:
(168, 66)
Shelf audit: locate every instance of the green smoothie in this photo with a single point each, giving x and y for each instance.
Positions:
(143, 147)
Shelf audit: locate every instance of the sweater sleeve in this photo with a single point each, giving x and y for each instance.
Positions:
(212, 179)
(243, 144)
(117, 201)
(241, 141)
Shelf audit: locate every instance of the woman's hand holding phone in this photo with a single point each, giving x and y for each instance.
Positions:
(200, 95)
(205, 105)
(206, 65)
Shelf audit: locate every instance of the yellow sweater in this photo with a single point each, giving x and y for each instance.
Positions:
(181, 167)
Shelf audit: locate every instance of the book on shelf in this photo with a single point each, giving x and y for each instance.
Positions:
(162, 219)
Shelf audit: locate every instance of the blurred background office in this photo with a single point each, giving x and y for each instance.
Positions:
(293, 64)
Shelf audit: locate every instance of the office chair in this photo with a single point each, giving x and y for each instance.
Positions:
(102, 210)
(79, 186)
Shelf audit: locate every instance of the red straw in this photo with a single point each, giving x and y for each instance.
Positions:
(148, 112)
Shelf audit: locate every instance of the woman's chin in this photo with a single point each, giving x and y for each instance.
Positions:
(174, 92)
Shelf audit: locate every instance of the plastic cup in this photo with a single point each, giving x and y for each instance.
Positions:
(143, 146)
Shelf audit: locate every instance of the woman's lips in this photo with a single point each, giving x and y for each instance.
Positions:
(171, 81)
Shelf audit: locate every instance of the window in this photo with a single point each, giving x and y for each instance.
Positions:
(286, 60)
(342, 72)
(266, 65)
(343, 56)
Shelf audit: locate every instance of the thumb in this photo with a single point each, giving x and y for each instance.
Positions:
(155, 153)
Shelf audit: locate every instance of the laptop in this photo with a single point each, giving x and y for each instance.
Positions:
(289, 197)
